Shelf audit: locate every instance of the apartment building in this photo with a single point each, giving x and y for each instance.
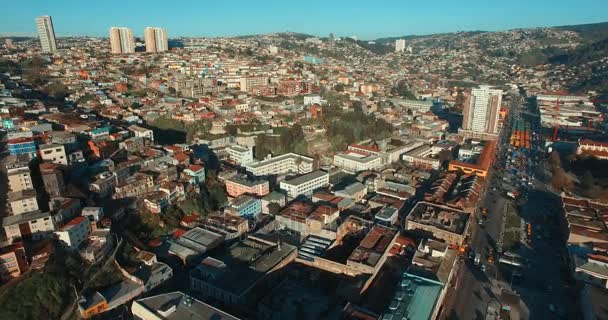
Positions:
(305, 185)
(54, 153)
(134, 186)
(250, 82)
(121, 40)
(285, 163)
(238, 185)
(34, 225)
(246, 206)
(20, 179)
(156, 39)
(46, 34)
(22, 201)
(240, 155)
(482, 110)
(13, 261)
(74, 233)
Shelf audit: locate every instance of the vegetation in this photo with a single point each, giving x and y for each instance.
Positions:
(43, 294)
(403, 90)
(560, 179)
(289, 140)
(57, 90)
(344, 128)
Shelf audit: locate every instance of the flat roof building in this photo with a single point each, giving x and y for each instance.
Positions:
(441, 222)
(176, 306)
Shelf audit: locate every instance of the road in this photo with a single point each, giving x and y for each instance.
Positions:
(544, 287)
(472, 289)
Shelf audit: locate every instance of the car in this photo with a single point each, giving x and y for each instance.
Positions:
(483, 267)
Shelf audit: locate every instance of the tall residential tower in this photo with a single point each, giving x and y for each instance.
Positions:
(399, 45)
(156, 39)
(121, 40)
(46, 33)
(482, 110)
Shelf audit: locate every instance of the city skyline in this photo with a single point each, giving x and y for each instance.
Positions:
(364, 20)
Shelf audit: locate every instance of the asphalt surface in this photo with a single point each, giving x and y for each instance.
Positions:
(543, 283)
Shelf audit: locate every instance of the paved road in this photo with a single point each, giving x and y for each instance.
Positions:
(472, 289)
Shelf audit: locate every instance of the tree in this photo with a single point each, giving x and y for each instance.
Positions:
(172, 91)
(57, 90)
(339, 88)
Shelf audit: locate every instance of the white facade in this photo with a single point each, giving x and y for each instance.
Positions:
(22, 201)
(46, 34)
(399, 45)
(285, 163)
(312, 99)
(484, 110)
(74, 233)
(38, 225)
(355, 162)
(142, 133)
(54, 153)
(305, 185)
(240, 155)
(19, 180)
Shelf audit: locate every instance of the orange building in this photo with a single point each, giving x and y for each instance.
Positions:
(316, 110)
(482, 166)
(239, 185)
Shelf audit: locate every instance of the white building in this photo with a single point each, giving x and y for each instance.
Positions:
(309, 100)
(399, 45)
(305, 185)
(240, 155)
(355, 161)
(285, 163)
(46, 34)
(22, 201)
(20, 179)
(74, 233)
(36, 225)
(481, 113)
(54, 153)
(142, 133)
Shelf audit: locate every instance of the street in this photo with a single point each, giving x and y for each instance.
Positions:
(542, 282)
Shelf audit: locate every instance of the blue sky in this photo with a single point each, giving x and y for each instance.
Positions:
(366, 19)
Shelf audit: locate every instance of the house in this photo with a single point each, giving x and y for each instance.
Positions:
(195, 174)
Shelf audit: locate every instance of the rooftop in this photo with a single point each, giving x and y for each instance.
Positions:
(438, 216)
(373, 246)
(306, 178)
(239, 267)
(177, 306)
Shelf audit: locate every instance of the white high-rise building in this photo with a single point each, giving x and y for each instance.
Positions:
(46, 33)
(482, 110)
(156, 39)
(399, 45)
(121, 40)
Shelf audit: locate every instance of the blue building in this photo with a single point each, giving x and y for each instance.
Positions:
(22, 146)
(246, 206)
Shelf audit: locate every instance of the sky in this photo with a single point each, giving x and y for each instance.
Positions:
(365, 19)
